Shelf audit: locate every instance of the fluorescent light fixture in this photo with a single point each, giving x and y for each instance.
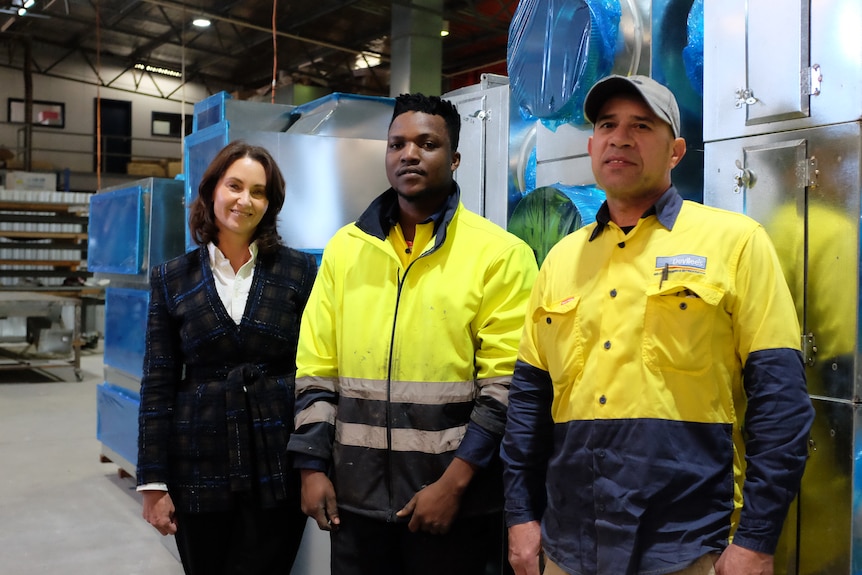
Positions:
(444, 31)
(29, 3)
(201, 22)
(366, 60)
(158, 70)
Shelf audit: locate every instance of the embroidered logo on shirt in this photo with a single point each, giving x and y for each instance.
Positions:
(681, 263)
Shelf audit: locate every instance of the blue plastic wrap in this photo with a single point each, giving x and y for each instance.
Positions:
(117, 420)
(116, 239)
(125, 329)
(530, 170)
(557, 50)
(210, 111)
(692, 54)
(201, 147)
(549, 213)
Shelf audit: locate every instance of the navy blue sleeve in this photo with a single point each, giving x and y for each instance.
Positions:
(527, 443)
(778, 419)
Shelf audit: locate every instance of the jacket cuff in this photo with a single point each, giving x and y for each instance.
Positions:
(309, 462)
(478, 447)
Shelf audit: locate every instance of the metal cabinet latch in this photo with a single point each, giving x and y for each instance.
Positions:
(809, 349)
(815, 80)
(812, 172)
(743, 178)
(480, 114)
(745, 97)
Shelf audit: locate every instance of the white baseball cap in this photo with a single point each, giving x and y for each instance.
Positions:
(657, 97)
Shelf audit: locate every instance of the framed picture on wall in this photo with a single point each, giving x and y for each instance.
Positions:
(48, 114)
(170, 125)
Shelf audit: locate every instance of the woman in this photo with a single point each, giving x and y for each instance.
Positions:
(217, 392)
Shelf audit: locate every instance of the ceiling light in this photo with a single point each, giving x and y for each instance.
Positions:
(366, 60)
(201, 22)
(158, 70)
(22, 11)
(444, 30)
(29, 3)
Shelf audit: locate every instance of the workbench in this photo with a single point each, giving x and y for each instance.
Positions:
(49, 346)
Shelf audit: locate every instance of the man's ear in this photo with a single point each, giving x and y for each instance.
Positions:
(456, 161)
(677, 153)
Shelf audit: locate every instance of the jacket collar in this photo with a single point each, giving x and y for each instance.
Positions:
(379, 217)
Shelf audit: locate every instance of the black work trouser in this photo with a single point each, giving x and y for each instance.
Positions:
(473, 546)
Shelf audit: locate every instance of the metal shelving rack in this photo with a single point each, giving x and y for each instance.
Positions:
(43, 252)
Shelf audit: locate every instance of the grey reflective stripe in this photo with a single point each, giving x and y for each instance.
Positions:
(317, 412)
(307, 383)
(434, 442)
(417, 392)
(497, 388)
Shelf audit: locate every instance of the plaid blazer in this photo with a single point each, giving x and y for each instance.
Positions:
(214, 393)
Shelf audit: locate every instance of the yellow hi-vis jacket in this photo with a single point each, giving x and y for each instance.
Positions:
(400, 369)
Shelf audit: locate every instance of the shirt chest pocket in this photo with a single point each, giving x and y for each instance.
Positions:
(559, 338)
(679, 326)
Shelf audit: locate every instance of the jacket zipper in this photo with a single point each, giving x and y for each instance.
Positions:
(389, 479)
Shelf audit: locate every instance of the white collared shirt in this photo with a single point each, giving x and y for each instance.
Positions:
(232, 287)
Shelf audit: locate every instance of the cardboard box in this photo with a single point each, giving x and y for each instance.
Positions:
(174, 169)
(145, 169)
(33, 181)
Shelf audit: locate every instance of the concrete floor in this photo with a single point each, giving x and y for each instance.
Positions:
(62, 510)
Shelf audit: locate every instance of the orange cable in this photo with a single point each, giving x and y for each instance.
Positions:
(98, 99)
(274, 51)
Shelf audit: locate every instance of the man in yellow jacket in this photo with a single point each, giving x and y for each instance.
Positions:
(406, 351)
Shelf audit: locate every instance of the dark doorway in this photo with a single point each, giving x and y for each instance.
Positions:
(116, 135)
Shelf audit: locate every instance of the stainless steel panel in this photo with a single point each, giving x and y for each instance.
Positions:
(775, 61)
(489, 174)
(313, 555)
(576, 171)
(471, 174)
(634, 47)
(829, 535)
(803, 186)
(329, 182)
(780, 51)
(566, 141)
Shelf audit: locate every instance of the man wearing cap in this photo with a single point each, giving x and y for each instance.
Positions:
(658, 414)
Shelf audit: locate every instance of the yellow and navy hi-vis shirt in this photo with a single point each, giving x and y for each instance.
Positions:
(628, 404)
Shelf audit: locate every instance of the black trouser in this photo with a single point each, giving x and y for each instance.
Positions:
(473, 546)
(246, 540)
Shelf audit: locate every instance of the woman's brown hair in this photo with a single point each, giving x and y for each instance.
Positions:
(202, 221)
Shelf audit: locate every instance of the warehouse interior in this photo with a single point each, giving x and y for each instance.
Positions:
(313, 43)
(129, 100)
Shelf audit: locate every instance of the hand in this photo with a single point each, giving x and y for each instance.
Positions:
(525, 548)
(434, 507)
(736, 560)
(159, 511)
(318, 499)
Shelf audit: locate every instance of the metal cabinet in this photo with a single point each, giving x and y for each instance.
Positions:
(780, 64)
(783, 144)
(803, 186)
